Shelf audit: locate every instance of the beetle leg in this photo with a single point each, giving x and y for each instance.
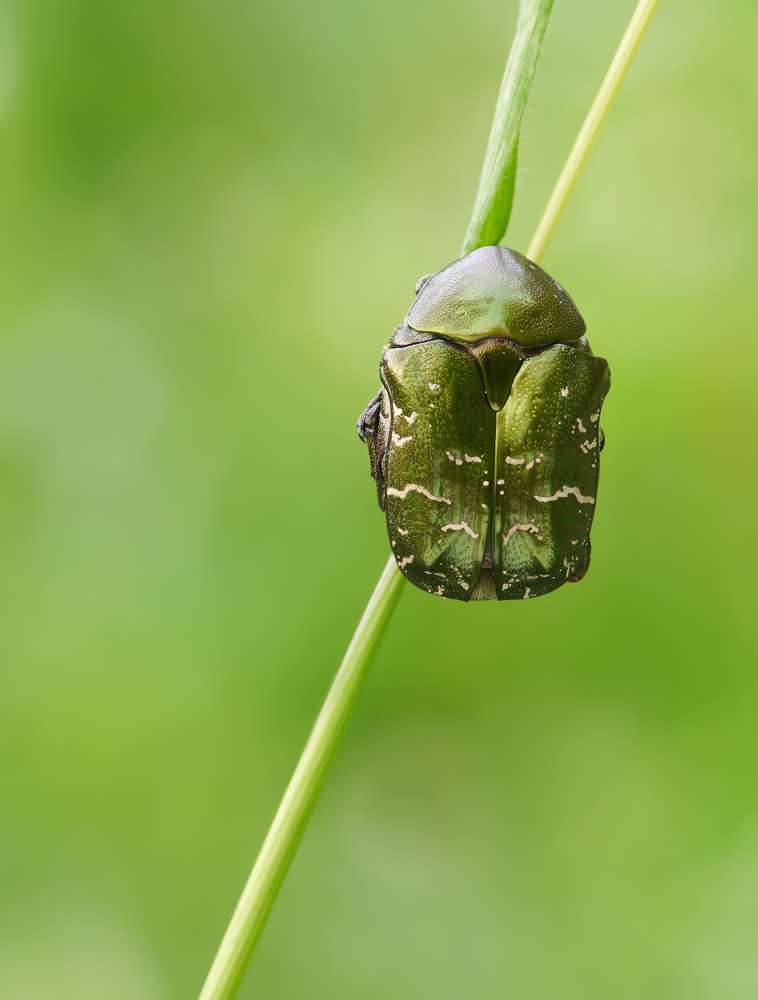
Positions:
(579, 570)
(367, 421)
(373, 430)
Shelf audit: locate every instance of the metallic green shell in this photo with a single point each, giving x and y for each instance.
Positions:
(547, 470)
(438, 466)
(456, 472)
(495, 291)
(485, 438)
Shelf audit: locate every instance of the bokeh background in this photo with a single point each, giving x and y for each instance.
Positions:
(212, 217)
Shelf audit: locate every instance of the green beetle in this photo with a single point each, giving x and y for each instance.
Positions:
(484, 439)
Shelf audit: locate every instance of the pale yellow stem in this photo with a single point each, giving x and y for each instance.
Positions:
(592, 125)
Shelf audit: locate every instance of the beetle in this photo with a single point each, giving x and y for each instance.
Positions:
(484, 439)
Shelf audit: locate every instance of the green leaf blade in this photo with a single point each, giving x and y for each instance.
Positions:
(494, 198)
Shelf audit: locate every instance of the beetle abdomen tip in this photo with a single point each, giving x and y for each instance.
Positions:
(484, 588)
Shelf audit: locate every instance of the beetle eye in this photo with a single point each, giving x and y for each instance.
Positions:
(421, 282)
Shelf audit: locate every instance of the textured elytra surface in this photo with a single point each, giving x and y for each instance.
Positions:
(454, 470)
(495, 291)
(547, 471)
(438, 466)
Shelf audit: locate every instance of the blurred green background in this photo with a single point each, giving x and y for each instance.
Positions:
(212, 218)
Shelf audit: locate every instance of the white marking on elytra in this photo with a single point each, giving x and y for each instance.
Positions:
(472, 458)
(438, 592)
(514, 461)
(451, 456)
(460, 527)
(411, 418)
(399, 442)
(565, 392)
(485, 482)
(501, 482)
(433, 386)
(595, 417)
(428, 572)
(587, 446)
(529, 526)
(431, 406)
(402, 531)
(527, 593)
(402, 494)
(405, 562)
(530, 465)
(564, 493)
(580, 425)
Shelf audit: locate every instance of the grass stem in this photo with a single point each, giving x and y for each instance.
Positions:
(305, 786)
(592, 125)
(494, 197)
(293, 814)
